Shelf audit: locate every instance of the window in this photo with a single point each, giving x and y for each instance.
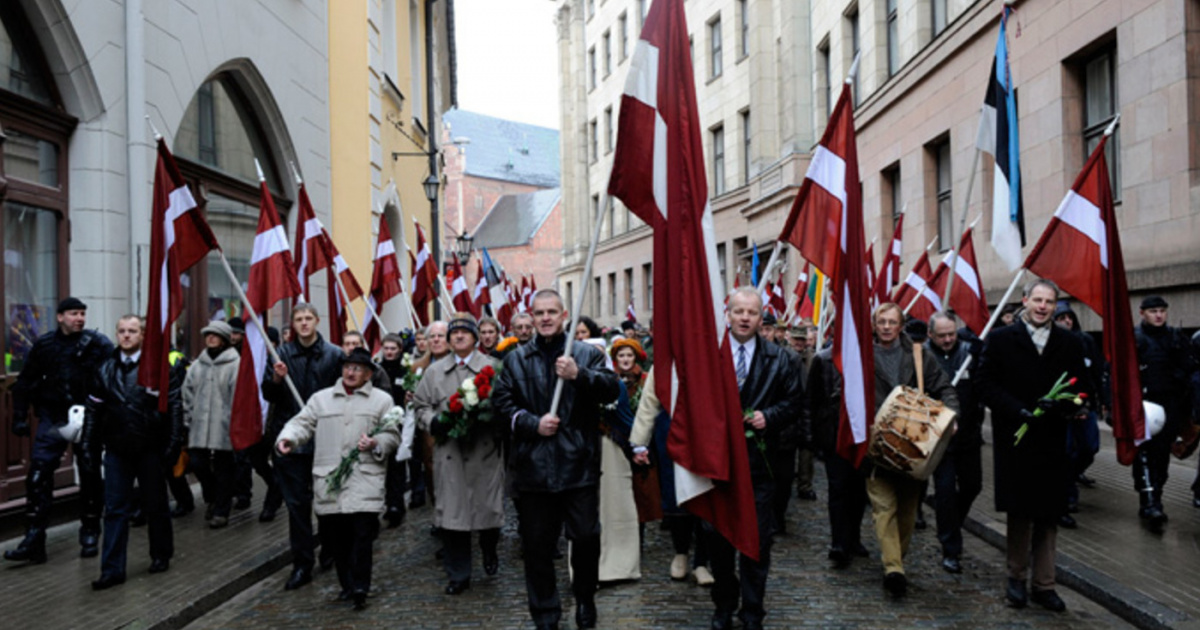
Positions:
(610, 220)
(592, 68)
(1100, 106)
(722, 268)
(623, 34)
(893, 38)
(629, 286)
(642, 7)
(945, 211)
(593, 141)
(571, 296)
(714, 48)
(852, 27)
(647, 287)
(595, 208)
(938, 12)
(607, 39)
(612, 293)
(692, 50)
(591, 8)
(387, 38)
(745, 115)
(893, 202)
(416, 52)
(718, 156)
(596, 296)
(826, 87)
(743, 29)
(608, 129)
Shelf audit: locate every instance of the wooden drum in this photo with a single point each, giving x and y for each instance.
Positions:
(910, 433)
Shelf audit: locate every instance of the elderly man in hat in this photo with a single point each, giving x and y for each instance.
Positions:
(1168, 371)
(468, 470)
(348, 417)
(56, 375)
(207, 409)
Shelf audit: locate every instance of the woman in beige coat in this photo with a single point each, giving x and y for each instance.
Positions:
(207, 396)
(468, 478)
(340, 419)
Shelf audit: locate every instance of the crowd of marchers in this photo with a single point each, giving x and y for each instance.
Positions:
(459, 417)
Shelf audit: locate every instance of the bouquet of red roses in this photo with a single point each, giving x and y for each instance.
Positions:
(469, 410)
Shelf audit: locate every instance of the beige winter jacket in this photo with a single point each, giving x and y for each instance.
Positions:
(335, 420)
(208, 399)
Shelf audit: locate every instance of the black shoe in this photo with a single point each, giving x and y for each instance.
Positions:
(860, 550)
(751, 624)
(418, 501)
(360, 599)
(547, 626)
(394, 516)
(456, 587)
(491, 562)
(1196, 502)
(440, 554)
(299, 578)
(1015, 592)
(585, 615)
(807, 495)
(241, 503)
(182, 510)
(840, 558)
(209, 510)
(31, 549)
(722, 620)
(951, 565)
(138, 519)
(1073, 507)
(159, 565)
(1067, 521)
(89, 544)
(107, 581)
(344, 596)
(1085, 481)
(558, 554)
(267, 515)
(1048, 600)
(326, 562)
(920, 523)
(896, 584)
(1153, 517)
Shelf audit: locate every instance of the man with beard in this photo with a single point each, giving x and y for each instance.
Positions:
(555, 463)
(313, 364)
(56, 376)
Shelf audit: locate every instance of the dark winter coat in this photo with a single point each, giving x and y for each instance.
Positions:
(58, 372)
(970, 412)
(773, 386)
(122, 416)
(522, 395)
(1030, 476)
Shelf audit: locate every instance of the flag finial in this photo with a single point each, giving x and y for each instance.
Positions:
(853, 68)
(258, 167)
(295, 173)
(1112, 126)
(157, 136)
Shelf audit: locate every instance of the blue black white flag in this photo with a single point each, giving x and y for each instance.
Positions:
(998, 136)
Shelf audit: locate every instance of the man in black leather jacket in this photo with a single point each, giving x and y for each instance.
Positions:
(56, 375)
(137, 439)
(555, 460)
(313, 364)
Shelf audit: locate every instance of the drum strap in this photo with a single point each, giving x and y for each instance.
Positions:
(919, 366)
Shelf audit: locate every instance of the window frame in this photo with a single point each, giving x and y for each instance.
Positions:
(717, 138)
(1092, 131)
(715, 48)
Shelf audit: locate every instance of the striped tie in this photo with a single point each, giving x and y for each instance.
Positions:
(741, 367)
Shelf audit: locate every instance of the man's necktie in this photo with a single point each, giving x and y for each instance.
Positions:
(741, 368)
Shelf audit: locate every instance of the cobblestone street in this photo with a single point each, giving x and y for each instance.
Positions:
(803, 590)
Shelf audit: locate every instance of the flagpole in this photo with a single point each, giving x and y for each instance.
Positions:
(578, 305)
(962, 370)
(770, 264)
(962, 222)
(258, 324)
(914, 300)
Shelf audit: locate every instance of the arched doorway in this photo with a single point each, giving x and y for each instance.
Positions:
(219, 139)
(34, 202)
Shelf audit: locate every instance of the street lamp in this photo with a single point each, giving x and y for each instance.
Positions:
(465, 242)
(431, 186)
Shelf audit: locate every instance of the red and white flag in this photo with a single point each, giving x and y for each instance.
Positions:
(337, 326)
(272, 278)
(527, 292)
(889, 271)
(421, 305)
(386, 283)
(917, 286)
(179, 238)
(773, 300)
(482, 294)
(424, 276)
(309, 251)
(967, 298)
(659, 174)
(1081, 252)
(630, 312)
(460, 295)
(871, 275)
(826, 225)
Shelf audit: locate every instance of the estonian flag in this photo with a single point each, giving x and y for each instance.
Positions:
(998, 136)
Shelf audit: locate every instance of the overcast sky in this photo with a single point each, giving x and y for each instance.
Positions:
(508, 59)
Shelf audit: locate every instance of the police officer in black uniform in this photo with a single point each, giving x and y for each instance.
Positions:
(1167, 368)
(56, 376)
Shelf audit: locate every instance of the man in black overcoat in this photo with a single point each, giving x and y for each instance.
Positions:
(1018, 367)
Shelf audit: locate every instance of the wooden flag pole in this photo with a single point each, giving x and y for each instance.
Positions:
(962, 222)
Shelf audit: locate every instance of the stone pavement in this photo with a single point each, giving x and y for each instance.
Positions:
(803, 590)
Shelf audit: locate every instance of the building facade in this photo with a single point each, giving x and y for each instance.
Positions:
(752, 60)
(224, 83)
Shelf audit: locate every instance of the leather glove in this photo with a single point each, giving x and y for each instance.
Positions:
(1026, 415)
(1048, 405)
(20, 427)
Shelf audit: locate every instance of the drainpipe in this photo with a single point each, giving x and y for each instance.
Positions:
(135, 146)
(435, 220)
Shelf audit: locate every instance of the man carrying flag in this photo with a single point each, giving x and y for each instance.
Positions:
(659, 174)
(385, 285)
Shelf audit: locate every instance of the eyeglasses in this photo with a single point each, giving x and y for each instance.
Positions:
(353, 367)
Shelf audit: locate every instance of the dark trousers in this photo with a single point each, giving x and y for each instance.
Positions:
(783, 465)
(458, 551)
(350, 538)
(1154, 457)
(847, 502)
(684, 528)
(257, 459)
(1083, 442)
(957, 481)
(804, 471)
(293, 474)
(407, 475)
(120, 472)
(179, 486)
(216, 471)
(48, 449)
(752, 585)
(541, 517)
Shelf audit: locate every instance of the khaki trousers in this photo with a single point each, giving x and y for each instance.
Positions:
(894, 501)
(1036, 537)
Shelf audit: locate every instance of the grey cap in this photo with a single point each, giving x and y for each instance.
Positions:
(219, 328)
